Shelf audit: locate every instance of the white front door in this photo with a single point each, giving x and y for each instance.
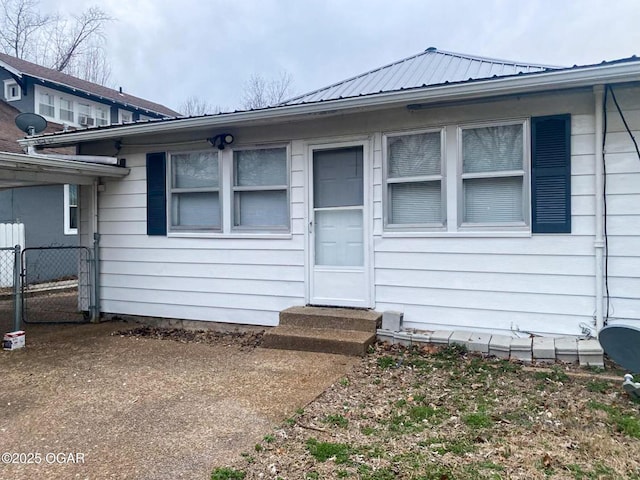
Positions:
(339, 227)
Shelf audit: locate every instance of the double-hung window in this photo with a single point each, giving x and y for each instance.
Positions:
(260, 189)
(101, 116)
(47, 105)
(66, 110)
(194, 191)
(494, 176)
(414, 180)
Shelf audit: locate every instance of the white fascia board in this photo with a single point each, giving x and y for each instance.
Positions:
(547, 81)
(18, 161)
(10, 69)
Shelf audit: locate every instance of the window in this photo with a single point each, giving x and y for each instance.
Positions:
(11, 90)
(47, 106)
(124, 116)
(260, 189)
(101, 116)
(494, 182)
(84, 115)
(414, 180)
(70, 209)
(66, 110)
(194, 191)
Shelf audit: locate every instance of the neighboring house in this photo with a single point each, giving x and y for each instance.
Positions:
(66, 102)
(465, 192)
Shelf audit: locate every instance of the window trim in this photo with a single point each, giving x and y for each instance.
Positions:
(8, 84)
(386, 182)
(66, 212)
(525, 172)
(170, 191)
(276, 229)
(122, 112)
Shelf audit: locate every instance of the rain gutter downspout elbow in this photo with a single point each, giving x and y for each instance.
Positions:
(599, 244)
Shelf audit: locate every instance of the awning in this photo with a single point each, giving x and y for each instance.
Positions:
(23, 170)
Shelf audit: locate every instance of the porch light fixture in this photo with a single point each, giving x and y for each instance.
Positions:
(221, 140)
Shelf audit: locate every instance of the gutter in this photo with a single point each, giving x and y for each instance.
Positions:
(18, 161)
(554, 80)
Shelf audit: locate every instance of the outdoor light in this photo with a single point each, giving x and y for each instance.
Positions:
(221, 140)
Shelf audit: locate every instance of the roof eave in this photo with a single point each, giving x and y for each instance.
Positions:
(539, 81)
(21, 161)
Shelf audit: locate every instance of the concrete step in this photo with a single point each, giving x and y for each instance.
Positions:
(343, 342)
(331, 318)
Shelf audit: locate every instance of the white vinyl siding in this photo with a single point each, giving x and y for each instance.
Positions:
(194, 198)
(502, 281)
(260, 189)
(493, 178)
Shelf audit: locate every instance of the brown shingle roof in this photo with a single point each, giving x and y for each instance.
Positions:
(38, 71)
(9, 133)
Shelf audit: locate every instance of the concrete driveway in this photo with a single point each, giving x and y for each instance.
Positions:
(141, 408)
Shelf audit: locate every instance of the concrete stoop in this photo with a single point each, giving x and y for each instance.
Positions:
(330, 330)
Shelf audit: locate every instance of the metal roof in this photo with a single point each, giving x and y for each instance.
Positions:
(22, 67)
(428, 68)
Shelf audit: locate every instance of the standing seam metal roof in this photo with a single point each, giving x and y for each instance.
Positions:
(431, 67)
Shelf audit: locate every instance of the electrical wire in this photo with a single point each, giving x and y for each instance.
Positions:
(609, 89)
(604, 204)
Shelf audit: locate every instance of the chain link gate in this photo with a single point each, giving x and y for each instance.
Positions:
(57, 285)
(9, 289)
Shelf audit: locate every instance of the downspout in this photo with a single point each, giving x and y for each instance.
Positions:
(598, 91)
(95, 317)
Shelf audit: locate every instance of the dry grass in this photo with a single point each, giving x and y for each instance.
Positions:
(428, 415)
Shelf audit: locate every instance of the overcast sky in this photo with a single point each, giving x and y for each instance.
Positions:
(167, 50)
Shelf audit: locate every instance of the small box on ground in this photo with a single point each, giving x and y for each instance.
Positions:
(14, 340)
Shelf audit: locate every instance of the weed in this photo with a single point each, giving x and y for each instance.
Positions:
(382, 474)
(247, 457)
(311, 476)
(458, 446)
(269, 438)
(505, 366)
(323, 451)
(624, 423)
(598, 386)
(258, 448)
(344, 382)
(478, 419)
(420, 413)
(342, 474)
(386, 362)
(555, 375)
(451, 352)
(300, 411)
(224, 473)
(337, 421)
(368, 430)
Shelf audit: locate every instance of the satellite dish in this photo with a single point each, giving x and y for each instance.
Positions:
(31, 123)
(622, 344)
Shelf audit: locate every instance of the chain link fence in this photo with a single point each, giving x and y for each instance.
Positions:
(57, 285)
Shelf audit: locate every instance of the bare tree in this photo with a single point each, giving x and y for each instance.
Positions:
(195, 105)
(72, 44)
(260, 92)
(19, 24)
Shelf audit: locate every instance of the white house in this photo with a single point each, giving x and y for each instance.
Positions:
(465, 192)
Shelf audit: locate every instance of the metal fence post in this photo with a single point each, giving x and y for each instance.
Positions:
(95, 314)
(17, 288)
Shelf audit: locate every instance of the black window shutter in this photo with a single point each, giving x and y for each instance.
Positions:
(156, 194)
(551, 174)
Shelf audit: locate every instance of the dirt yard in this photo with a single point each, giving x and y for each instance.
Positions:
(140, 407)
(422, 414)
